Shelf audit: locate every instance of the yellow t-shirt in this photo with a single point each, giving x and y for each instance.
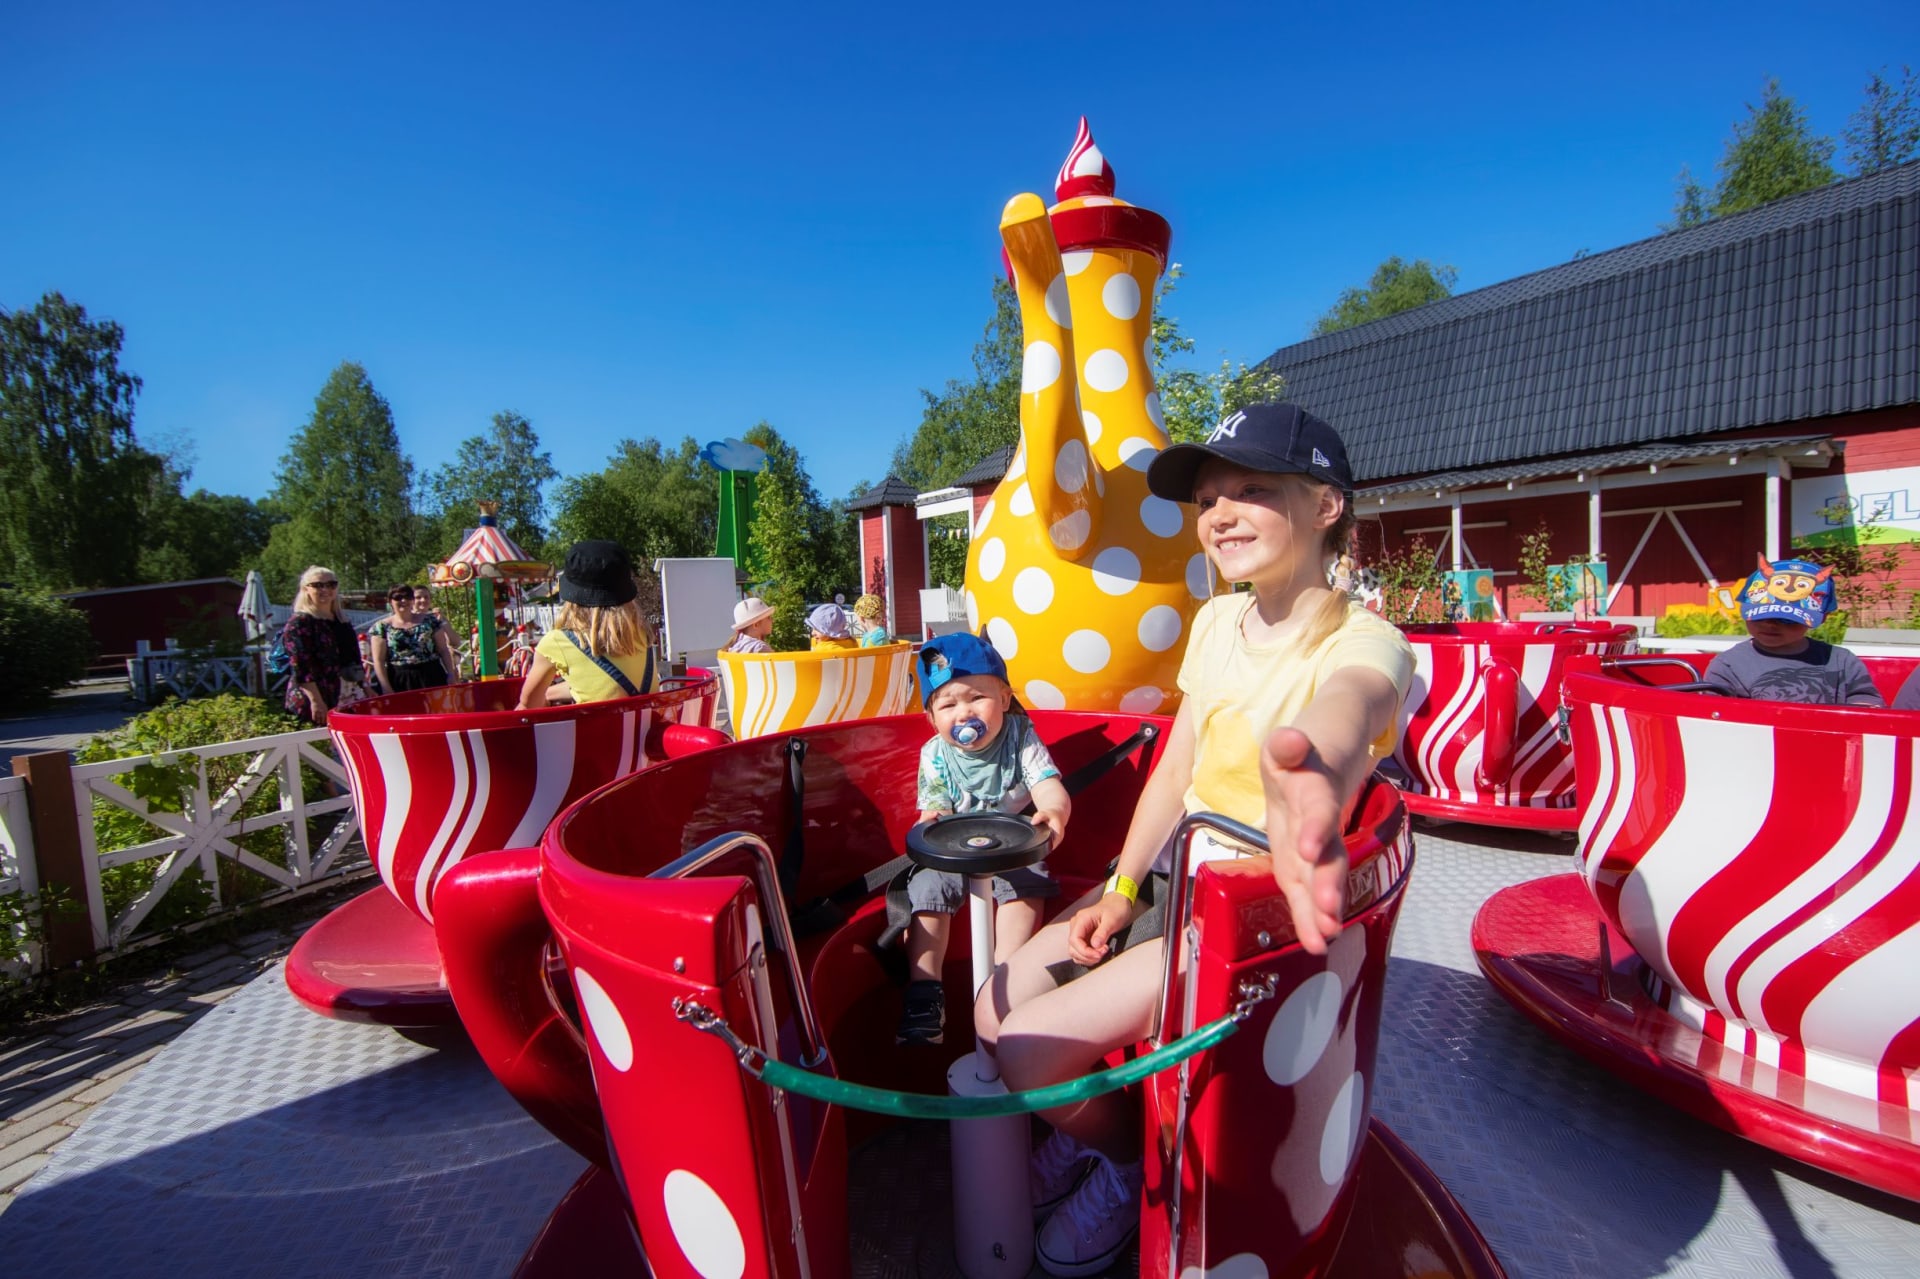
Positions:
(822, 643)
(584, 676)
(1239, 693)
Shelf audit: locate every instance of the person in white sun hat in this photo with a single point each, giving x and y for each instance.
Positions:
(752, 623)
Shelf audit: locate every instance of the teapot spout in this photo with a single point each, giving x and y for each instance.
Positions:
(1062, 476)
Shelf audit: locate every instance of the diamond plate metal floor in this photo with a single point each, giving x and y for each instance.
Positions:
(268, 1141)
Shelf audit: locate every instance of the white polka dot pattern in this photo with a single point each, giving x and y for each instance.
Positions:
(1160, 628)
(1161, 517)
(604, 1019)
(1106, 370)
(1044, 696)
(1302, 1029)
(1040, 369)
(1033, 590)
(1121, 297)
(992, 559)
(706, 1232)
(1000, 634)
(1116, 570)
(1088, 652)
(1341, 1139)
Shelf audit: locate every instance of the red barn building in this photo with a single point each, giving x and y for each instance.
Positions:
(1678, 405)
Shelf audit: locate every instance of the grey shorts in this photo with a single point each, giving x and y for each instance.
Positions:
(918, 891)
(942, 892)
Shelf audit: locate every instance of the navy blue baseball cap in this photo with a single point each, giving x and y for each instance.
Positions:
(1259, 437)
(956, 656)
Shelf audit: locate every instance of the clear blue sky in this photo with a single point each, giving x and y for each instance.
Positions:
(629, 220)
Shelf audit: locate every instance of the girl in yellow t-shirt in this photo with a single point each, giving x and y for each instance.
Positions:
(1291, 694)
(600, 645)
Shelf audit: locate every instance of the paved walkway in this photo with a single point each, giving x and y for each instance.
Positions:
(52, 1076)
(76, 714)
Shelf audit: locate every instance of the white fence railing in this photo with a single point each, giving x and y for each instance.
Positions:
(154, 674)
(211, 827)
(17, 866)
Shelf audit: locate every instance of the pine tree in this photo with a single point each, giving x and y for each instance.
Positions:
(506, 465)
(1689, 202)
(1771, 154)
(1885, 131)
(343, 490)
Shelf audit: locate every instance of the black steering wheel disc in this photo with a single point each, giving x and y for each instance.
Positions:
(977, 843)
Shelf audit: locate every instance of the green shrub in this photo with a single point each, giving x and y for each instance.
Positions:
(47, 646)
(172, 726)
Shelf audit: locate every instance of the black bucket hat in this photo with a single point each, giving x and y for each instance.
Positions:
(1260, 437)
(597, 575)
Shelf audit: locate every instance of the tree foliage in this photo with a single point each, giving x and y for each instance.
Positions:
(1397, 285)
(657, 503)
(72, 478)
(1885, 131)
(1689, 202)
(807, 549)
(47, 644)
(1771, 154)
(1194, 401)
(505, 465)
(343, 492)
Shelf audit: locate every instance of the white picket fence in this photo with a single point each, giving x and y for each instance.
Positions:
(17, 867)
(210, 828)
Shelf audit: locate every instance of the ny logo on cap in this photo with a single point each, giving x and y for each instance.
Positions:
(1228, 428)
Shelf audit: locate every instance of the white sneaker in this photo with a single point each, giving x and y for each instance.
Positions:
(1094, 1225)
(1055, 1170)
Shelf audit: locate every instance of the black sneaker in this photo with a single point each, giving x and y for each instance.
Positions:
(924, 1019)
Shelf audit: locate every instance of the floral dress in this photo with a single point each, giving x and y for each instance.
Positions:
(413, 659)
(321, 652)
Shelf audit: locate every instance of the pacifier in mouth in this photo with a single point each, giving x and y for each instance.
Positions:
(968, 731)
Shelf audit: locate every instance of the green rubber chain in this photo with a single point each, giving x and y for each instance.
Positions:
(913, 1105)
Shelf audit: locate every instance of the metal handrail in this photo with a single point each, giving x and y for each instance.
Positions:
(1180, 893)
(766, 880)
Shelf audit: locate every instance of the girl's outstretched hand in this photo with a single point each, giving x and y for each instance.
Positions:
(1088, 930)
(1303, 829)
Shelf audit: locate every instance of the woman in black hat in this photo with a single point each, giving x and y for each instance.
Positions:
(600, 644)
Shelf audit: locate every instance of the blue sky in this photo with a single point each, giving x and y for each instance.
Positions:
(644, 220)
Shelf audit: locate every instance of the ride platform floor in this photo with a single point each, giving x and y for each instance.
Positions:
(269, 1141)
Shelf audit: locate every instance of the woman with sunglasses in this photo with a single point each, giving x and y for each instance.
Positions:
(322, 648)
(410, 645)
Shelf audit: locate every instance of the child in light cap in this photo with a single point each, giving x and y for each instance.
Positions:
(752, 623)
(1780, 603)
(984, 757)
(827, 625)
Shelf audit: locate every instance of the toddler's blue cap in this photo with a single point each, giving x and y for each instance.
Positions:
(1789, 590)
(956, 656)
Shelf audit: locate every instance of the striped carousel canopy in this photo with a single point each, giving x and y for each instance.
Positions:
(488, 552)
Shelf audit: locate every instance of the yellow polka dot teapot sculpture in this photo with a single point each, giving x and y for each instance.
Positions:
(1083, 580)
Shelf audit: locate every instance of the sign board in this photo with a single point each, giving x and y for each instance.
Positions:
(697, 596)
(1468, 595)
(1843, 510)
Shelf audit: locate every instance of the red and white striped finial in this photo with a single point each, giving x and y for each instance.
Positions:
(1086, 171)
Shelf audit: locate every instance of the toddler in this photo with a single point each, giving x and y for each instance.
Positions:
(1780, 603)
(752, 623)
(984, 757)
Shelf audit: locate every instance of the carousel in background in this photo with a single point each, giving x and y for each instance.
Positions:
(488, 560)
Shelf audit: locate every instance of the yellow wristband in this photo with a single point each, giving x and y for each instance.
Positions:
(1124, 886)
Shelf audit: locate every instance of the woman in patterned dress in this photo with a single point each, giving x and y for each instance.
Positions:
(323, 650)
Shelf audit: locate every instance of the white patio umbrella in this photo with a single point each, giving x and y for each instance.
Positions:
(256, 613)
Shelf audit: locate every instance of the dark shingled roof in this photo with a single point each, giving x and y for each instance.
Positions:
(1802, 308)
(892, 491)
(989, 468)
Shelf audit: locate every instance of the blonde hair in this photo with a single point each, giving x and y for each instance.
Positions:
(301, 603)
(1331, 613)
(618, 631)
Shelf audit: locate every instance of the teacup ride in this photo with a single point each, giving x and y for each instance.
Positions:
(440, 774)
(779, 692)
(1477, 738)
(1741, 939)
(634, 982)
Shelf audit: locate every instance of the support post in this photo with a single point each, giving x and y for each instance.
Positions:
(1593, 518)
(1773, 509)
(1457, 533)
(59, 858)
(487, 659)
